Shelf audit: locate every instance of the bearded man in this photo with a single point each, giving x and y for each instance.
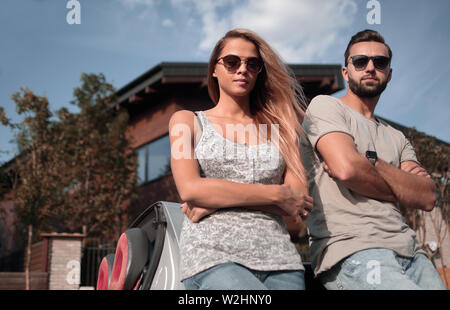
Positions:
(361, 169)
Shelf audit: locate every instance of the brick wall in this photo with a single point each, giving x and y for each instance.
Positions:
(147, 124)
(64, 261)
(150, 124)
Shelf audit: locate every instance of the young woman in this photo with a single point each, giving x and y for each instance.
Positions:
(236, 182)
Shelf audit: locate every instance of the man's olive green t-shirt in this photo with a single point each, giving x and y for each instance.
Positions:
(343, 222)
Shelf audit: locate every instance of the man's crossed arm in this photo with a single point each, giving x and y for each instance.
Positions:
(410, 185)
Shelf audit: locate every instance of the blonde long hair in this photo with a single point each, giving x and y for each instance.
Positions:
(277, 98)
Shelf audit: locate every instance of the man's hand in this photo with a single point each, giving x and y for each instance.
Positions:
(194, 213)
(412, 186)
(413, 168)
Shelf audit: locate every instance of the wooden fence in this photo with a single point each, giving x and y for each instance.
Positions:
(16, 280)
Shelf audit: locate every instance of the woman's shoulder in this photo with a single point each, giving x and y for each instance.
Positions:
(182, 117)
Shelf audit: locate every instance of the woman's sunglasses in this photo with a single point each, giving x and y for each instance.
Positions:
(233, 62)
(360, 62)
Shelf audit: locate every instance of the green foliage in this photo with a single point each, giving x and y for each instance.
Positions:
(34, 197)
(100, 168)
(434, 156)
(78, 170)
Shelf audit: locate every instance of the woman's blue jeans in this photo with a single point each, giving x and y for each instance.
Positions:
(231, 276)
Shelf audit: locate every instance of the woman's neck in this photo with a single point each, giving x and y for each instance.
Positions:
(233, 107)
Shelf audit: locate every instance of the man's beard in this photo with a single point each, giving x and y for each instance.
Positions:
(366, 92)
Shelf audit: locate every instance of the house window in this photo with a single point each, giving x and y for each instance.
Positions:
(154, 160)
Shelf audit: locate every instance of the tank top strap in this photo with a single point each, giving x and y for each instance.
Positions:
(199, 119)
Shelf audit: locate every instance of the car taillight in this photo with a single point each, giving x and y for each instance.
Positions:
(104, 272)
(132, 254)
(119, 269)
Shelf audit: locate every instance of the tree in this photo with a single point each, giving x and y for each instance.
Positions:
(74, 172)
(435, 158)
(34, 197)
(99, 165)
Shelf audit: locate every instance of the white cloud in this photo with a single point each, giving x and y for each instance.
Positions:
(143, 9)
(133, 3)
(168, 23)
(298, 30)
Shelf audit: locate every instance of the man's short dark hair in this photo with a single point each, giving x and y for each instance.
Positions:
(367, 35)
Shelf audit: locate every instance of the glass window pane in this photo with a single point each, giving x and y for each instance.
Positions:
(142, 163)
(159, 158)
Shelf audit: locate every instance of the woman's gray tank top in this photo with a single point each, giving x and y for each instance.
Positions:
(255, 239)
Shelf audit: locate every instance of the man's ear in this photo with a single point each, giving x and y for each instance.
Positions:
(390, 75)
(345, 73)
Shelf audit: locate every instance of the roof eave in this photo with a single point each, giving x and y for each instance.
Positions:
(196, 72)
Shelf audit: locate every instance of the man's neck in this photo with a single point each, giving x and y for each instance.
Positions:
(365, 106)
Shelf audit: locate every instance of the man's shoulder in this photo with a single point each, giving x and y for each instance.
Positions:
(394, 132)
(324, 98)
(324, 102)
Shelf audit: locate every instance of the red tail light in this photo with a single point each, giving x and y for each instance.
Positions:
(104, 272)
(131, 256)
(119, 269)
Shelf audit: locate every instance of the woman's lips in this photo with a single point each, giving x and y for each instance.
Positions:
(241, 82)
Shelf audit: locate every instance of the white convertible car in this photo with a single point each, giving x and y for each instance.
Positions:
(147, 254)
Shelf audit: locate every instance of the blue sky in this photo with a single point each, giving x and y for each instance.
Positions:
(124, 38)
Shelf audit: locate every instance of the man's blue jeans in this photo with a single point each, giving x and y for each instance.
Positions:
(382, 269)
(231, 276)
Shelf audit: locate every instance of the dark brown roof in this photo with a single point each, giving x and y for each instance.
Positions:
(320, 78)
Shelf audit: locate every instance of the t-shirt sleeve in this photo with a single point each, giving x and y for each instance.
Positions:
(408, 153)
(324, 115)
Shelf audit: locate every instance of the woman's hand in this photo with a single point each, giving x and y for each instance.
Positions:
(296, 204)
(194, 213)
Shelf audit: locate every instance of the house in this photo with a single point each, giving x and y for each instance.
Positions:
(154, 96)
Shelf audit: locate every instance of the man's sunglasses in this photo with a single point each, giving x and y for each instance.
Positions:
(233, 62)
(360, 62)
